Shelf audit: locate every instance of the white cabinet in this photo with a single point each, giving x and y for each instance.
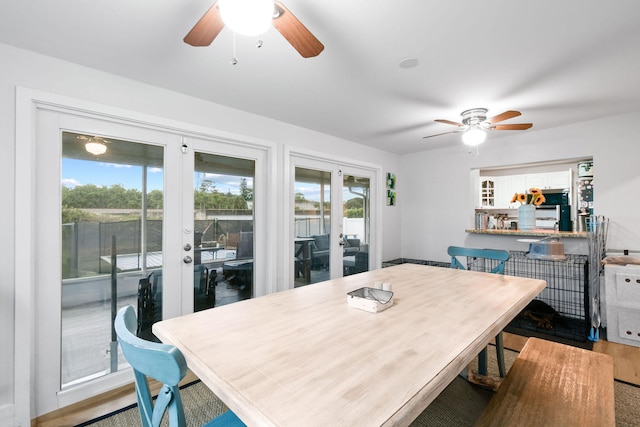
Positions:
(497, 191)
(536, 180)
(504, 191)
(549, 180)
(620, 297)
(518, 184)
(559, 180)
(487, 192)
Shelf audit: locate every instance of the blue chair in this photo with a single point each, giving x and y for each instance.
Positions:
(164, 363)
(496, 256)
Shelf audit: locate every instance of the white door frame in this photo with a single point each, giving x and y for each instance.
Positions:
(28, 103)
(306, 158)
(47, 251)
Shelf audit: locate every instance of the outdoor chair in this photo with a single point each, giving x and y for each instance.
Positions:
(320, 251)
(239, 272)
(499, 257)
(164, 363)
(204, 291)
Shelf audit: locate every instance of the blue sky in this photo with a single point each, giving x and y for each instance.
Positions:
(83, 172)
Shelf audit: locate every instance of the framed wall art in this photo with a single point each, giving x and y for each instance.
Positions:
(391, 189)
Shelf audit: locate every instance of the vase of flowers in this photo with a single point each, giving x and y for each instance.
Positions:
(527, 210)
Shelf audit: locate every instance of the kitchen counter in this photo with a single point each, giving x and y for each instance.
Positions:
(538, 232)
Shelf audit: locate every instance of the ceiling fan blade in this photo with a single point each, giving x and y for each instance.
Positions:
(440, 134)
(521, 126)
(504, 116)
(448, 122)
(206, 29)
(296, 33)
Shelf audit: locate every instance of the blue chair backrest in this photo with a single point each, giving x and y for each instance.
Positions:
(493, 254)
(162, 362)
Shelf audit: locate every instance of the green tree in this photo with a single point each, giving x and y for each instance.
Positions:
(155, 199)
(207, 186)
(217, 200)
(354, 213)
(70, 215)
(91, 196)
(356, 202)
(245, 191)
(354, 208)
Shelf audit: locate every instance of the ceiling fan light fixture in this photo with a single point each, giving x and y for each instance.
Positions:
(95, 148)
(474, 136)
(247, 17)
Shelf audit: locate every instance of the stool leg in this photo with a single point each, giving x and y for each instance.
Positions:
(500, 355)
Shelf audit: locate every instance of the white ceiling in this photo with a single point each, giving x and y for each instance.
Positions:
(558, 62)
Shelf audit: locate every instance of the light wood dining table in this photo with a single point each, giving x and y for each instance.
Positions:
(303, 357)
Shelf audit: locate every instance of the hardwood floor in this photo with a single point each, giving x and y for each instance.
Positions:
(626, 368)
(626, 360)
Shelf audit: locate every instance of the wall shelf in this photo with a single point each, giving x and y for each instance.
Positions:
(536, 232)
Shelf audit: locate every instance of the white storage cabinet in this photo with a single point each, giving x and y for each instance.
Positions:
(622, 304)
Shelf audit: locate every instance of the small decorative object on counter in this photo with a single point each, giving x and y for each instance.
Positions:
(373, 300)
(482, 220)
(527, 209)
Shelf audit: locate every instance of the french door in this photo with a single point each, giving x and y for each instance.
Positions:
(128, 214)
(332, 219)
(220, 209)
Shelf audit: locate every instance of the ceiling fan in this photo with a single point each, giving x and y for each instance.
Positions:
(212, 22)
(475, 124)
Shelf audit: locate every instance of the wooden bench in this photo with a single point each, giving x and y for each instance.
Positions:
(553, 384)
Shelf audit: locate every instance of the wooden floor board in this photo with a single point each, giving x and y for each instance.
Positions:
(626, 360)
(98, 406)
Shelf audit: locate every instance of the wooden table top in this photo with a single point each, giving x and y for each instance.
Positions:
(303, 357)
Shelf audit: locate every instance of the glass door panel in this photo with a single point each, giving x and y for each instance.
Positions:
(312, 226)
(223, 220)
(356, 216)
(111, 248)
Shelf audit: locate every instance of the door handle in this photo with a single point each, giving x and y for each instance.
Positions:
(187, 260)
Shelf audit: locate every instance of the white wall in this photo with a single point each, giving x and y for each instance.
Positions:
(26, 69)
(439, 209)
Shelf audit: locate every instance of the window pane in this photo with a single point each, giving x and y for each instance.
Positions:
(356, 216)
(112, 212)
(312, 212)
(223, 224)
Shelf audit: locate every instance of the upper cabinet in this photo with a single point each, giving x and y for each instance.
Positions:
(560, 180)
(487, 192)
(497, 191)
(550, 180)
